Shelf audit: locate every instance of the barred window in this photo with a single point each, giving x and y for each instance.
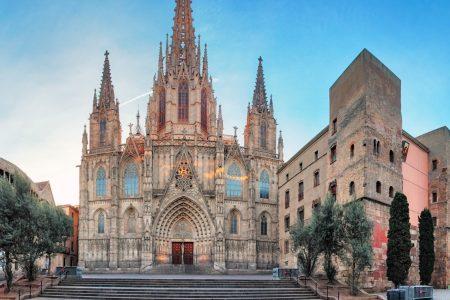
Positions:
(234, 223)
(263, 225)
(101, 223)
(263, 135)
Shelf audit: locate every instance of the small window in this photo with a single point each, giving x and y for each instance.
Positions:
(287, 177)
(286, 199)
(352, 150)
(301, 166)
(316, 178)
(391, 156)
(434, 197)
(434, 221)
(333, 154)
(264, 185)
(234, 223)
(287, 222)
(301, 189)
(286, 246)
(263, 225)
(316, 205)
(101, 223)
(334, 126)
(301, 215)
(351, 188)
(376, 147)
(378, 187)
(434, 164)
(391, 192)
(316, 155)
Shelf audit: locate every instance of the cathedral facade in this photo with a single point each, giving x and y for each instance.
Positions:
(179, 192)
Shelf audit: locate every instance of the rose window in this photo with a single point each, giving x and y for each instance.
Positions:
(183, 177)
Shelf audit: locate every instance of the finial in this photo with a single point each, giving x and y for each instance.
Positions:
(235, 131)
(131, 128)
(138, 125)
(260, 59)
(106, 53)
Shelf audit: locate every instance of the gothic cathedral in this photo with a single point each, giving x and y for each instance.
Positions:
(179, 193)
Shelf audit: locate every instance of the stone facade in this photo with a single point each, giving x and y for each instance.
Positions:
(438, 141)
(179, 191)
(362, 155)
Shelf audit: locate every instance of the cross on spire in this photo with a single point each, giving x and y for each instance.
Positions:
(183, 38)
(131, 128)
(259, 94)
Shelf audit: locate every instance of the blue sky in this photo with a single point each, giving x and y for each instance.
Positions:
(51, 54)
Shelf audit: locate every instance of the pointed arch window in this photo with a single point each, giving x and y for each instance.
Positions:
(234, 223)
(131, 222)
(263, 225)
(131, 181)
(264, 185)
(162, 108)
(102, 131)
(100, 183)
(234, 181)
(204, 110)
(263, 135)
(183, 102)
(101, 223)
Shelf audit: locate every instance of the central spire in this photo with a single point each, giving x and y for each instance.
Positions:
(106, 90)
(259, 94)
(183, 38)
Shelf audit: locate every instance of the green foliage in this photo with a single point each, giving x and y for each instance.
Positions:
(28, 228)
(426, 247)
(358, 246)
(306, 245)
(331, 234)
(399, 241)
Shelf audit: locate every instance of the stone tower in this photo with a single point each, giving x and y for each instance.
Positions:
(105, 129)
(260, 130)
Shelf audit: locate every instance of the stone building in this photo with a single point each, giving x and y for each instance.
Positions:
(364, 154)
(179, 192)
(70, 255)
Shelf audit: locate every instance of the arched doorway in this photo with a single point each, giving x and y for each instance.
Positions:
(184, 234)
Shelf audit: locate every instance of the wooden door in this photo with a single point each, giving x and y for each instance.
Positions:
(188, 253)
(176, 253)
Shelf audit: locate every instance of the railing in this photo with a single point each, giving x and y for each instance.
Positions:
(302, 279)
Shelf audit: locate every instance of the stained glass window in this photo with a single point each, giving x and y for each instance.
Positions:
(102, 131)
(131, 181)
(162, 108)
(234, 181)
(100, 184)
(263, 133)
(234, 223)
(264, 185)
(183, 102)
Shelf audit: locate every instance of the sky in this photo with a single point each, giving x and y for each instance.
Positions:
(51, 56)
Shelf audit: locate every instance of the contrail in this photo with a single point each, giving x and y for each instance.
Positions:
(134, 99)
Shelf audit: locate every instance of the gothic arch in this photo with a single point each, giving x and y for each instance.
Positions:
(96, 217)
(183, 209)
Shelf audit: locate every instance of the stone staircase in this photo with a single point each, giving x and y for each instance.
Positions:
(90, 288)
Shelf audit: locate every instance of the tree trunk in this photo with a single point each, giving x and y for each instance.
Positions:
(49, 263)
(8, 272)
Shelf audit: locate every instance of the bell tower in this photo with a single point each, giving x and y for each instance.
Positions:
(105, 128)
(260, 130)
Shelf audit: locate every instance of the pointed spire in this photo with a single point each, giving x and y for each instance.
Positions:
(199, 54)
(271, 104)
(205, 62)
(259, 94)
(94, 101)
(160, 64)
(167, 54)
(183, 38)
(85, 141)
(220, 123)
(280, 147)
(107, 89)
(138, 123)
